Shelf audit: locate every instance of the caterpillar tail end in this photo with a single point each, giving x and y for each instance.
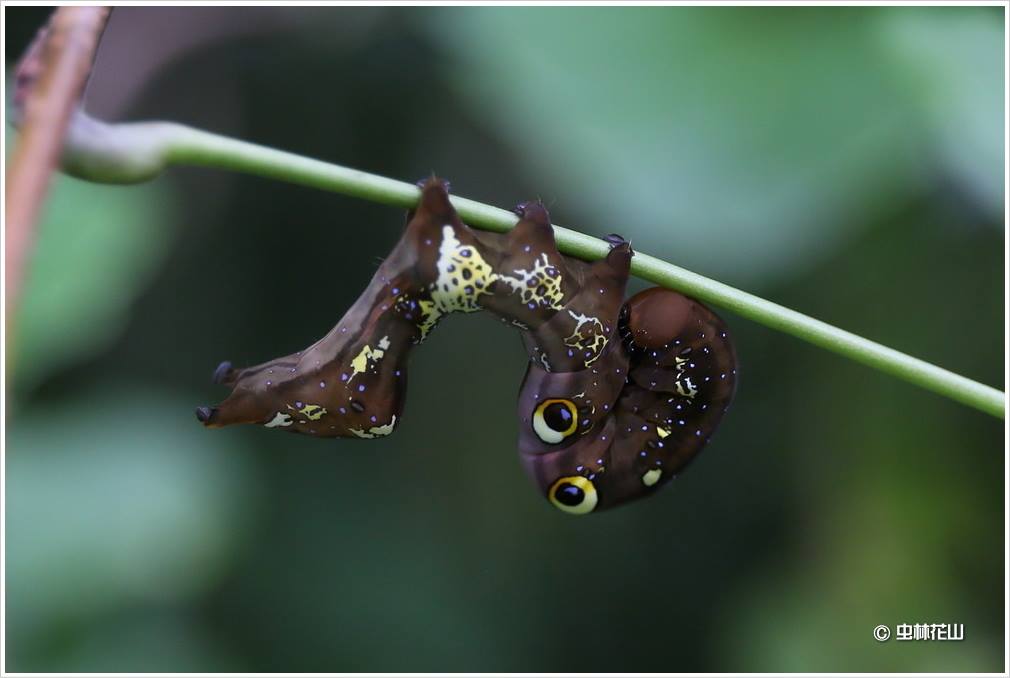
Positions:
(205, 415)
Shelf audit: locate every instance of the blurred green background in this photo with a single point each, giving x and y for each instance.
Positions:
(846, 162)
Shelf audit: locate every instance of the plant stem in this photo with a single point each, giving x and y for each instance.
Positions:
(152, 146)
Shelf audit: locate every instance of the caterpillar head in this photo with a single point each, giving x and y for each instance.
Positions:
(601, 437)
(567, 429)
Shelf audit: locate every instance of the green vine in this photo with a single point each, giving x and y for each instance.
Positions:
(131, 152)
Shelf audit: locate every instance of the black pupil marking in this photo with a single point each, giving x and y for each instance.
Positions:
(558, 417)
(569, 494)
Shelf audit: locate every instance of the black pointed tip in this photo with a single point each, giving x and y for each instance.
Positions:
(435, 199)
(204, 413)
(221, 372)
(533, 210)
(619, 247)
(434, 180)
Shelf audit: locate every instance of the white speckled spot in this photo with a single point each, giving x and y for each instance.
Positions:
(312, 412)
(376, 431)
(280, 419)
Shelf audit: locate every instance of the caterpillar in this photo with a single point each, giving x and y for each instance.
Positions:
(618, 395)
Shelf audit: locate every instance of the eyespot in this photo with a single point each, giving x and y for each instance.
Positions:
(573, 494)
(554, 420)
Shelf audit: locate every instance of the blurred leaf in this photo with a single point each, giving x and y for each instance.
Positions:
(880, 548)
(953, 62)
(96, 249)
(734, 141)
(139, 641)
(112, 499)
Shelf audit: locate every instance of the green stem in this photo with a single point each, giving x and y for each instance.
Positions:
(133, 152)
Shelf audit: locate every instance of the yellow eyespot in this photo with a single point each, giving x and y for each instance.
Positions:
(573, 494)
(554, 420)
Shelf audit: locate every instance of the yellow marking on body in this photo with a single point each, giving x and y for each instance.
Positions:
(684, 385)
(375, 431)
(662, 432)
(368, 357)
(360, 363)
(430, 316)
(650, 478)
(537, 285)
(313, 412)
(453, 291)
(686, 388)
(588, 335)
(463, 276)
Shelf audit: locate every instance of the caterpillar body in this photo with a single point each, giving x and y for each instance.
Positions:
(618, 396)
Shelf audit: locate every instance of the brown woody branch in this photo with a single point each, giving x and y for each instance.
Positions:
(50, 80)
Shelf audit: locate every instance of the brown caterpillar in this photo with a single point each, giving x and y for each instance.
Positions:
(618, 396)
